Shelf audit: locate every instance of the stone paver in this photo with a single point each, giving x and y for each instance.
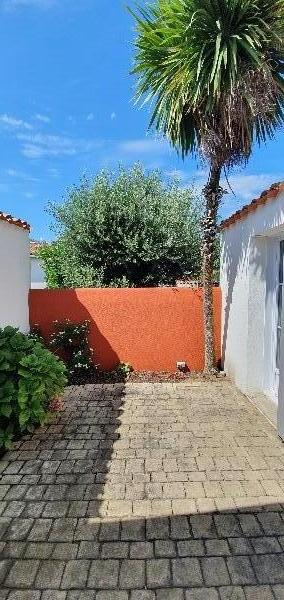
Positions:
(145, 492)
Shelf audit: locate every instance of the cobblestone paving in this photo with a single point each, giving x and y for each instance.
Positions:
(145, 492)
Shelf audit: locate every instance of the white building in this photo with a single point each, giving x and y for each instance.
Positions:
(14, 272)
(37, 272)
(252, 276)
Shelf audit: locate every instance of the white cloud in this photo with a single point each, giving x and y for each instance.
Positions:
(246, 187)
(32, 151)
(187, 178)
(178, 174)
(53, 172)
(14, 123)
(14, 174)
(90, 117)
(200, 173)
(113, 116)
(42, 118)
(40, 146)
(144, 146)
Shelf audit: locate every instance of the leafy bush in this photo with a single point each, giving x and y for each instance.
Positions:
(52, 259)
(36, 335)
(71, 340)
(30, 378)
(129, 228)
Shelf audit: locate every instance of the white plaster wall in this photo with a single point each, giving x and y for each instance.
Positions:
(271, 315)
(14, 276)
(249, 276)
(37, 274)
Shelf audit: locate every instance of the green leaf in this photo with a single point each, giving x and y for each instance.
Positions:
(5, 410)
(33, 379)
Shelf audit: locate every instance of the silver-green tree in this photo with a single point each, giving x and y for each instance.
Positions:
(213, 71)
(129, 228)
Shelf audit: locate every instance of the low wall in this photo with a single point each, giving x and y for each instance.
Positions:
(150, 328)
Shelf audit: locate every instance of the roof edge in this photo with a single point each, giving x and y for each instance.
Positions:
(13, 221)
(267, 195)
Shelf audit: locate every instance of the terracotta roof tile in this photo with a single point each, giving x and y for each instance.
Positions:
(34, 246)
(13, 221)
(264, 197)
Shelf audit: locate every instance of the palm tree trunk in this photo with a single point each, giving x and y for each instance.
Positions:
(213, 194)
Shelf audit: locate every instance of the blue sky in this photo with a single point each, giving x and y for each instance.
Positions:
(66, 108)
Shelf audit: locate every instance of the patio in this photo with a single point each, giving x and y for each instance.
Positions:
(143, 492)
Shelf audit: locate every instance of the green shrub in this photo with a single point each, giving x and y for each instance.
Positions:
(71, 340)
(30, 377)
(123, 370)
(127, 228)
(36, 334)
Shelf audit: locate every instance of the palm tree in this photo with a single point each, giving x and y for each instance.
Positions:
(213, 71)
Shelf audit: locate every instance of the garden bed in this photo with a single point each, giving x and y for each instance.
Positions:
(139, 377)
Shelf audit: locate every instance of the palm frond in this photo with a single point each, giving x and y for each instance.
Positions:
(214, 70)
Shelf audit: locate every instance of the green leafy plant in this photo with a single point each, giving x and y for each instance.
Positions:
(52, 258)
(36, 334)
(30, 378)
(130, 228)
(123, 370)
(71, 340)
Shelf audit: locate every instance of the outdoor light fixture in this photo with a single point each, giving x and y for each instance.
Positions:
(182, 366)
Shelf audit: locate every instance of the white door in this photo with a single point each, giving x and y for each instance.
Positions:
(279, 370)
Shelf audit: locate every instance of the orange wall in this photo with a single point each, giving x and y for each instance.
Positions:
(151, 328)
